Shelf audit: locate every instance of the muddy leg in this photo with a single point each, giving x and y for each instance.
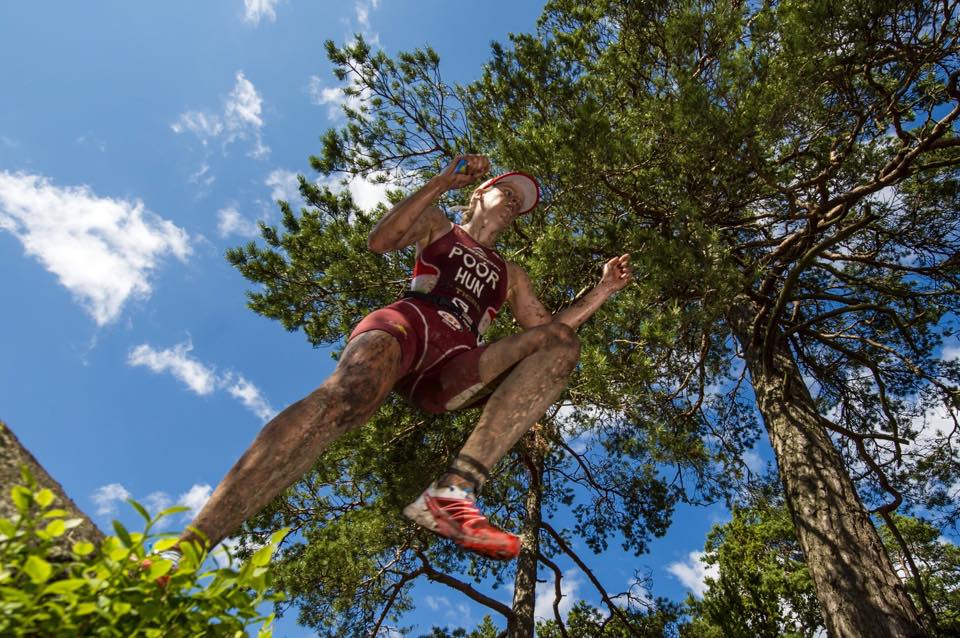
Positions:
(541, 359)
(290, 443)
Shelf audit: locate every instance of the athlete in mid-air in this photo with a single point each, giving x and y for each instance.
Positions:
(427, 347)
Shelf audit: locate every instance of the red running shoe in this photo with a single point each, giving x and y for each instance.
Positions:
(452, 512)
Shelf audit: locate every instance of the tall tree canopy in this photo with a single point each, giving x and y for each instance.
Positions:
(785, 175)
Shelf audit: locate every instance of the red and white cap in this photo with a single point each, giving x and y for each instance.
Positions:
(526, 185)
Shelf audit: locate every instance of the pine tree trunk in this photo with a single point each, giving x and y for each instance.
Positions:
(13, 455)
(525, 584)
(859, 592)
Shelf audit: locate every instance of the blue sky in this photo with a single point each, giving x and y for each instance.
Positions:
(138, 141)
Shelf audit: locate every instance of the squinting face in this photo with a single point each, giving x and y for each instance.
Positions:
(503, 201)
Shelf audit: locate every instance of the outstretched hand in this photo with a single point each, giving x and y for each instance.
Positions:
(473, 168)
(616, 273)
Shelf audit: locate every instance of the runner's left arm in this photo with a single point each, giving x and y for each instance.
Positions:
(530, 312)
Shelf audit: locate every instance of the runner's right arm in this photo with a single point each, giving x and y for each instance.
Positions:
(416, 219)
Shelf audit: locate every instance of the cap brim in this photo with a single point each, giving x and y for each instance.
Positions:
(526, 184)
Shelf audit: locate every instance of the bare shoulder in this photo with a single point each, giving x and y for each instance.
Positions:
(435, 223)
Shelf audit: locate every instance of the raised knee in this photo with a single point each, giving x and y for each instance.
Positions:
(564, 340)
(560, 334)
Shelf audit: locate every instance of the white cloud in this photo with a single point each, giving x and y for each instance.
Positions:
(102, 250)
(198, 123)
(435, 603)
(8, 142)
(241, 119)
(285, 186)
(177, 361)
(244, 106)
(231, 222)
(363, 13)
(202, 177)
(257, 9)
(753, 461)
(366, 194)
(195, 498)
(106, 497)
(199, 377)
(546, 593)
(334, 97)
(249, 395)
(693, 572)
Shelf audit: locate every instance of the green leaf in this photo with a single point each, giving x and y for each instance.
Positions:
(21, 498)
(7, 528)
(118, 553)
(37, 569)
(262, 556)
(176, 509)
(266, 631)
(85, 609)
(65, 586)
(44, 497)
(55, 528)
(56, 513)
(140, 509)
(14, 594)
(158, 567)
(165, 543)
(122, 533)
(82, 548)
(277, 537)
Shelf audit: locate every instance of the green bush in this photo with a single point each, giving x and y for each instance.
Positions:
(107, 591)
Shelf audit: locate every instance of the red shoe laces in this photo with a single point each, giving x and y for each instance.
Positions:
(462, 510)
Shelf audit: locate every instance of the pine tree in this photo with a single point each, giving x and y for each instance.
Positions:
(784, 174)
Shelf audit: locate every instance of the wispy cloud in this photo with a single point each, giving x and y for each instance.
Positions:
(255, 10)
(334, 97)
(249, 395)
(284, 185)
(231, 222)
(203, 177)
(362, 9)
(693, 572)
(178, 362)
(94, 141)
(108, 496)
(200, 378)
(195, 498)
(241, 119)
(102, 250)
